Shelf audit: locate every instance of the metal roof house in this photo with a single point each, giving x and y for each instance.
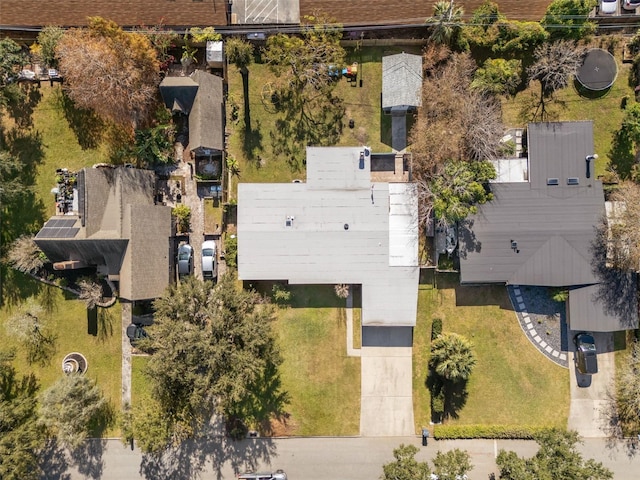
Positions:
(338, 227)
(539, 232)
(117, 228)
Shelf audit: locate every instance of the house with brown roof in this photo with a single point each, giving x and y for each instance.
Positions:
(115, 226)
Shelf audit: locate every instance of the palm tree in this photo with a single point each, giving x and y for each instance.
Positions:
(452, 357)
(445, 21)
(240, 53)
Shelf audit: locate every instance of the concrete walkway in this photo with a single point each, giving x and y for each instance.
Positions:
(126, 354)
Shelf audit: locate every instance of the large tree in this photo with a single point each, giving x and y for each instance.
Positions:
(626, 143)
(71, 407)
(457, 123)
(569, 19)
(446, 24)
(21, 436)
(48, 40)
(405, 466)
(111, 72)
(553, 67)
(628, 391)
(556, 458)
(214, 352)
(308, 111)
(30, 326)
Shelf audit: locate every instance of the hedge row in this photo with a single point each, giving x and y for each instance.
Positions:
(505, 432)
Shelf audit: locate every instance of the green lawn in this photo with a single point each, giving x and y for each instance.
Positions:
(512, 384)
(70, 322)
(140, 386)
(323, 383)
(605, 111)
(363, 105)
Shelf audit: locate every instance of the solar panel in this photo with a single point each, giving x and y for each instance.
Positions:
(58, 230)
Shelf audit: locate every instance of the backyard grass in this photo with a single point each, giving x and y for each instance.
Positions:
(69, 321)
(212, 215)
(606, 111)
(140, 385)
(512, 383)
(253, 150)
(322, 382)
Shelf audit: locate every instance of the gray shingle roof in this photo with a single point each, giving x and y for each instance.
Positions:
(401, 80)
(588, 312)
(178, 93)
(336, 228)
(552, 225)
(206, 120)
(124, 231)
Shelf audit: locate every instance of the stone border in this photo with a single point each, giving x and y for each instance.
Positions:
(524, 318)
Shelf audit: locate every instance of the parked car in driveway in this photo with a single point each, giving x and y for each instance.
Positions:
(586, 354)
(209, 264)
(185, 260)
(136, 332)
(608, 7)
(630, 4)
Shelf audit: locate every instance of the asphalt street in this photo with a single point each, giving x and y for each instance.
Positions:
(307, 458)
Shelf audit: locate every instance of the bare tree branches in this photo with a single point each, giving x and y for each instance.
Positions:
(25, 256)
(90, 293)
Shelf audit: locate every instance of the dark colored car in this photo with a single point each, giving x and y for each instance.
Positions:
(136, 332)
(586, 354)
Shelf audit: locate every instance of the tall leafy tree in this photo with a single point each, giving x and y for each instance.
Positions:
(308, 111)
(626, 145)
(452, 465)
(213, 349)
(452, 357)
(498, 76)
(21, 436)
(556, 458)
(405, 466)
(12, 58)
(569, 19)
(31, 327)
(71, 407)
(114, 73)
(48, 40)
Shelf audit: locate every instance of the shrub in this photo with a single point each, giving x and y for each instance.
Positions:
(182, 213)
(559, 294)
(436, 328)
(505, 432)
(280, 294)
(231, 251)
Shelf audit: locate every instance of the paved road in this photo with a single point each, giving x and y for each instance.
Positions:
(308, 458)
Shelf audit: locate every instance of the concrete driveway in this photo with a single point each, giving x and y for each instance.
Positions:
(386, 389)
(589, 408)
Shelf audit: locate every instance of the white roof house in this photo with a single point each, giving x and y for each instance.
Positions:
(338, 227)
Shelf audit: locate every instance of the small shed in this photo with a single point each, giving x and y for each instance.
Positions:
(401, 82)
(178, 93)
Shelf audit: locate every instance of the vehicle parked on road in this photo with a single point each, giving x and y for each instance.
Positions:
(277, 475)
(185, 260)
(209, 263)
(586, 354)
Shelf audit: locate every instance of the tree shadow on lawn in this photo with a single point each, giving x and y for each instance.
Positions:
(22, 99)
(190, 458)
(85, 124)
(454, 397)
(16, 286)
(252, 142)
(306, 296)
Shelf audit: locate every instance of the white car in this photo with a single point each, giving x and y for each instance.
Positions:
(608, 7)
(209, 270)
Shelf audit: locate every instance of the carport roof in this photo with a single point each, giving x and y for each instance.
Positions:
(588, 311)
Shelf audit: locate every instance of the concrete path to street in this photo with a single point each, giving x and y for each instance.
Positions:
(386, 382)
(307, 458)
(589, 411)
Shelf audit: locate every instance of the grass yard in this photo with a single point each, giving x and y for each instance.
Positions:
(512, 383)
(322, 382)
(606, 111)
(69, 321)
(363, 105)
(212, 216)
(140, 385)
